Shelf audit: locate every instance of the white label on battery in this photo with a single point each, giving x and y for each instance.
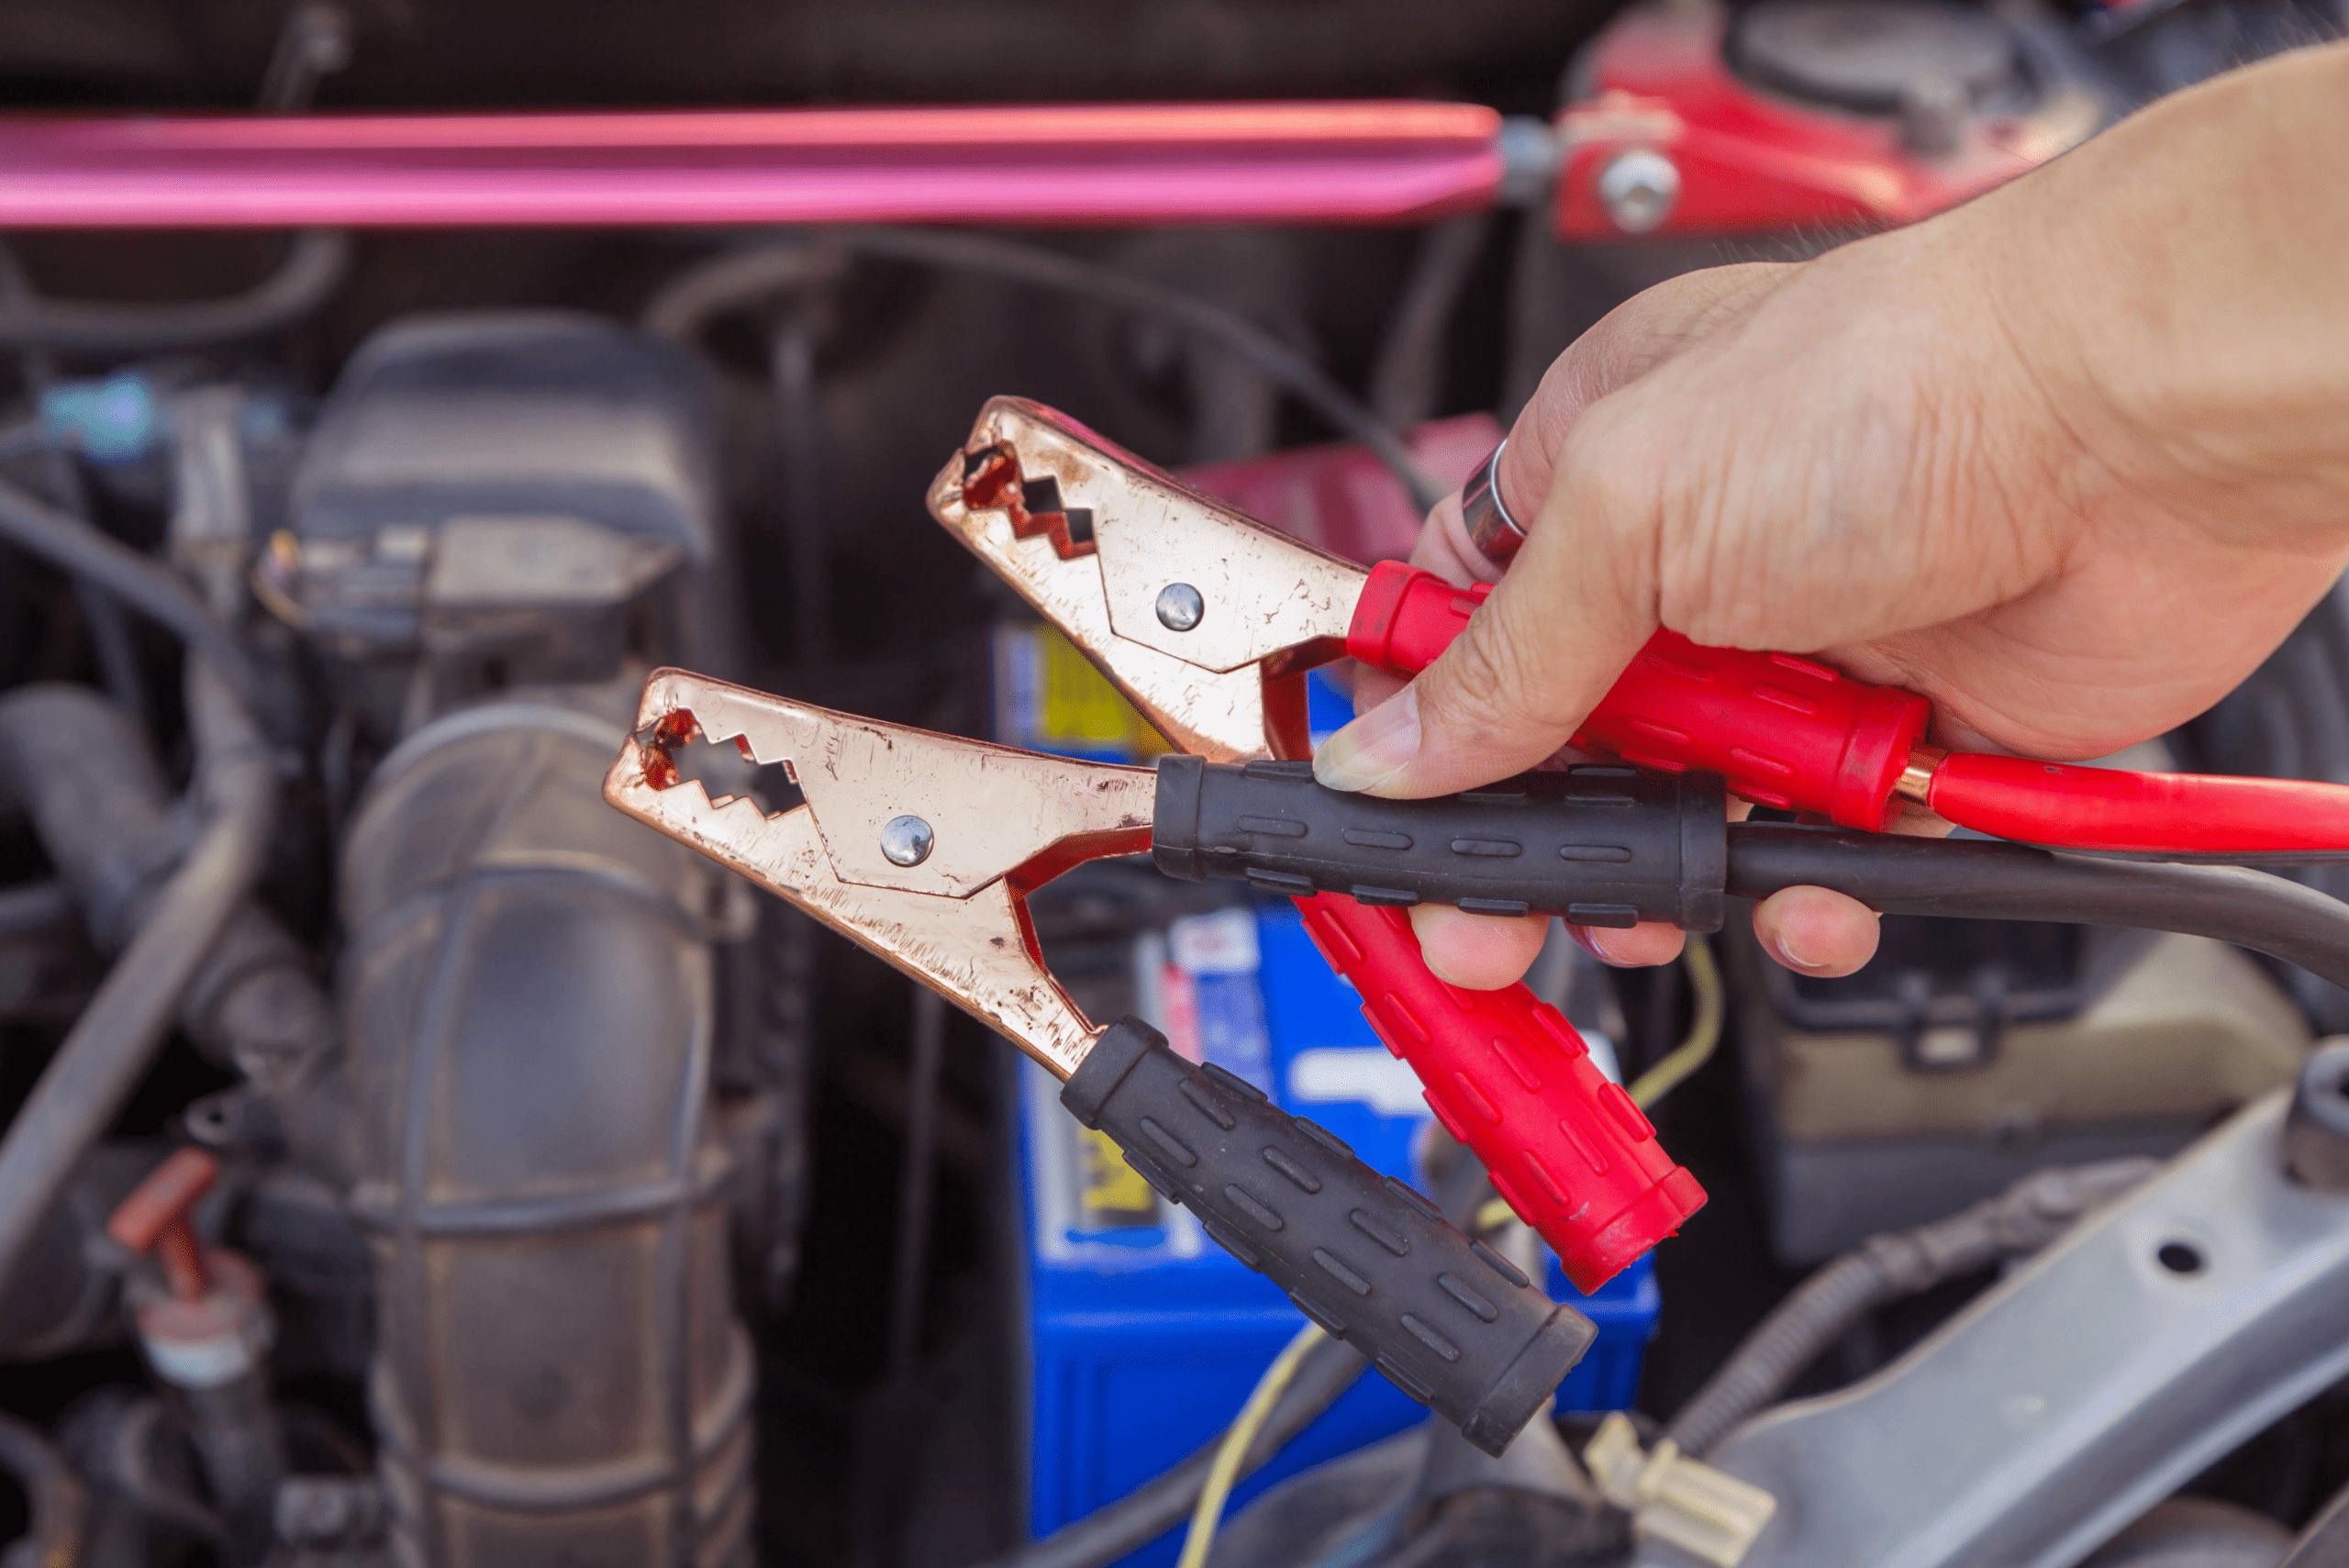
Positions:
(1221, 943)
(1361, 1075)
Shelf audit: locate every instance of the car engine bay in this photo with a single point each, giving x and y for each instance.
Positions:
(405, 1157)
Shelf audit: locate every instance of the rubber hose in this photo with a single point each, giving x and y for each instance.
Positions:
(54, 1496)
(315, 264)
(31, 907)
(1814, 1317)
(2325, 1543)
(738, 278)
(1998, 880)
(140, 580)
(115, 1038)
(85, 776)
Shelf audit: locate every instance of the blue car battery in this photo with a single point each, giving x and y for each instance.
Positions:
(1143, 1337)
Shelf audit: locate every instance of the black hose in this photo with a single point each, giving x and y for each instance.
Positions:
(108, 627)
(117, 1034)
(1406, 378)
(139, 581)
(1988, 879)
(31, 908)
(1157, 1505)
(2023, 1219)
(53, 1497)
(2324, 1543)
(733, 279)
(315, 264)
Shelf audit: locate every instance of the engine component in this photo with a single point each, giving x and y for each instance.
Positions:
(1967, 1055)
(2196, 1532)
(2316, 1129)
(63, 1300)
(1788, 113)
(1673, 1499)
(54, 1497)
(206, 1332)
(558, 1377)
(2168, 1326)
(114, 1040)
(1052, 164)
(2020, 1221)
(493, 492)
(90, 784)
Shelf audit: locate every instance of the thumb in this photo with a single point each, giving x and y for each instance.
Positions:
(1533, 663)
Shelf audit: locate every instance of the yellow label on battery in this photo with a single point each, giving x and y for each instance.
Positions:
(1115, 1195)
(1080, 704)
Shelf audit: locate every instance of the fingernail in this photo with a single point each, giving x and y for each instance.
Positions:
(1588, 939)
(1373, 748)
(1787, 955)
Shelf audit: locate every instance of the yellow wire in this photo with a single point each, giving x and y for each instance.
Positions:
(1238, 1439)
(1704, 1030)
(1694, 1051)
(1704, 1035)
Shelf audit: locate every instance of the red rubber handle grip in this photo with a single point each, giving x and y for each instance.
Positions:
(2106, 809)
(1784, 731)
(1508, 1077)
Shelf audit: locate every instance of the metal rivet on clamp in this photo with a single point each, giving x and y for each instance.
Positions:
(1180, 606)
(1491, 529)
(906, 840)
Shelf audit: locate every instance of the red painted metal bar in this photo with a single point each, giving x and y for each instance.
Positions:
(1297, 163)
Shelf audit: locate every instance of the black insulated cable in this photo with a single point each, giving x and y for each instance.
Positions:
(1990, 880)
(144, 584)
(314, 266)
(1607, 845)
(737, 278)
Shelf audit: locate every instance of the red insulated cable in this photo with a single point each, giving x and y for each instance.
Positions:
(1508, 1077)
(2105, 808)
(1784, 731)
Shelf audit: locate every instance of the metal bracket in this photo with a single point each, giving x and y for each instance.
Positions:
(2081, 1390)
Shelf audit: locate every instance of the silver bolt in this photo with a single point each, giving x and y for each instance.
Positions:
(1180, 608)
(1639, 189)
(906, 840)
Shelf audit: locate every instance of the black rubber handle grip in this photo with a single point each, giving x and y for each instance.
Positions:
(1451, 1322)
(1601, 844)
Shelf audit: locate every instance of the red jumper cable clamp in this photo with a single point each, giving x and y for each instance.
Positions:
(1208, 620)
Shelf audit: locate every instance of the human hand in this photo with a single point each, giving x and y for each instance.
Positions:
(2068, 461)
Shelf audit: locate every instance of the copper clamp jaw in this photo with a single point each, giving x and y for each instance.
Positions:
(1204, 618)
(921, 848)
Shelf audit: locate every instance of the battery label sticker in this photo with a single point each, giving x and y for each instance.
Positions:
(1360, 1076)
(1112, 1194)
(1207, 991)
(1222, 943)
(1049, 697)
